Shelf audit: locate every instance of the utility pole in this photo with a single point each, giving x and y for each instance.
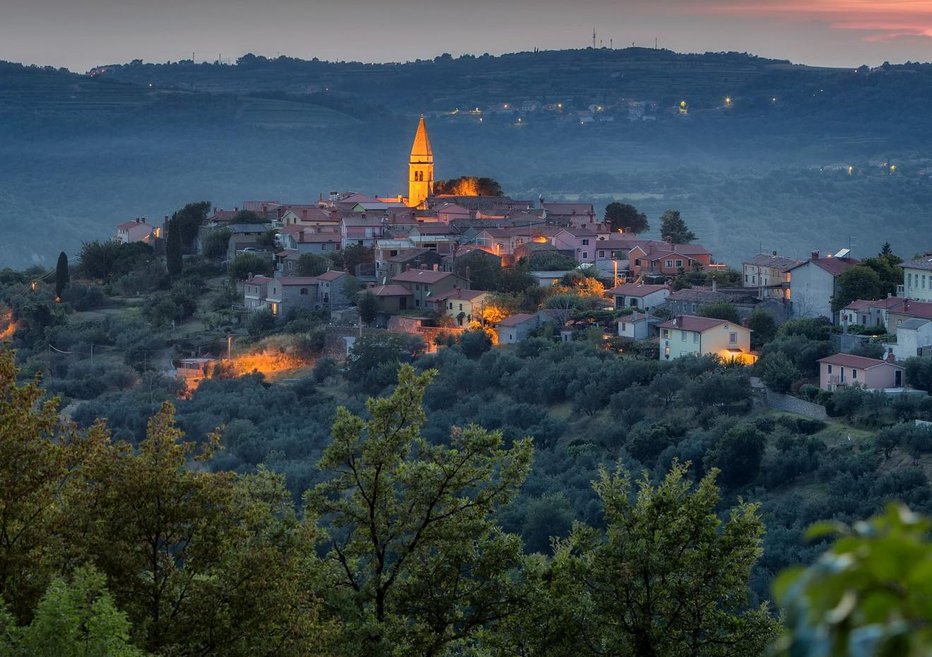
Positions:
(593, 37)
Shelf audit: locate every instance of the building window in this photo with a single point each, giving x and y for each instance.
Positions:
(666, 333)
(304, 291)
(695, 338)
(854, 374)
(669, 263)
(624, 326)
(585, 254)
(601, 254)
(679, 263)
(683, 336)
(585, 242)
(830, 368)
(733, 338)
(461, 306)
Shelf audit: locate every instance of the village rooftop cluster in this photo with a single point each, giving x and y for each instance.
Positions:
(415, 247)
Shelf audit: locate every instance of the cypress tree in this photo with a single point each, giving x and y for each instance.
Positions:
(61, 274)
(173, 261)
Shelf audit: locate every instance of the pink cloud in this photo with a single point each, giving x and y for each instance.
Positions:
(881, 21)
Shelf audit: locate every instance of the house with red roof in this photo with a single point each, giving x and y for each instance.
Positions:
(392, 298)
(691, 335)
(290, 293)
(515, 328)
(425, 284)
(581, 242)
(637, 295)
(840, 370)
(137, 230)
(653, 258)
(306, 239)
(255, 291)
(462, 306)
(814, 283)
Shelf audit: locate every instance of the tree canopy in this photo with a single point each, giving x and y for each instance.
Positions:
(626, 218)
(674, 229)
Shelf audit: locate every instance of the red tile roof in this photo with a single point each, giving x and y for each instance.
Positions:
(331, 275)
(514, 320)
(390, 291)
(298, 280)
(635, 290)
(834, 266)
(850, 360)
(428, 276)
(695, 323)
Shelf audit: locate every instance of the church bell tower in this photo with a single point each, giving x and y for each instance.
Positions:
(420, 168)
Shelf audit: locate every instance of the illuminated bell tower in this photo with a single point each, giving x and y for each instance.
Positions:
(420, 167)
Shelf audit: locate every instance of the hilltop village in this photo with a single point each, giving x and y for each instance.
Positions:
(454, 256)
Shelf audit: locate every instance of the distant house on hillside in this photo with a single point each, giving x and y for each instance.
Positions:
(917, 279)
(840, 370)
(769, 274)
(688, 335)
(814, 283)
(636, 295)
(137, 230)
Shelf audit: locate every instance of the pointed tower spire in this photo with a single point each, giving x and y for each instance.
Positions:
(421, 147)
(420, 167)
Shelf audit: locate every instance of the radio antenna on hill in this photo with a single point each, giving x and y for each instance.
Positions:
(593, 37)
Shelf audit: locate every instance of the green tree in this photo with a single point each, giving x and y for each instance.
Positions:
(202, 562)
(188, 221)
(61, 274)
(311, 264)
(550, 261)
(666, 576)
(35, 460)
(368, 307)
(720, 310)
(763, 327)
(77, 619)
(738, 454)
(482, 270)
(468, 186)
(475, 343)
(173, 259)
(674, 229)
(868, 594)
(356, 255)
(249, 263)
(919, 372)
(778, 371)
(421, 564)
(626, 218)
(249, 217)
(859, 282)
(216, 243)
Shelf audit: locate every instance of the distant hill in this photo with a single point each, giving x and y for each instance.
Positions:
(765, 169)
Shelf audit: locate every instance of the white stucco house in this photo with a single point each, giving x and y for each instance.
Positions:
(813, 284)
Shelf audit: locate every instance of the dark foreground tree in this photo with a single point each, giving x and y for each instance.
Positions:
(866, 595)
(173, 259)
(625, 217)
(422, 566)
(666, 577)
(62, 276)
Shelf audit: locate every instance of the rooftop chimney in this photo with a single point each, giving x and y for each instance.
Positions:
(890, 357)
(815, 255)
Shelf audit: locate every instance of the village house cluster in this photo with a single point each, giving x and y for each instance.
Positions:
(413, 244)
